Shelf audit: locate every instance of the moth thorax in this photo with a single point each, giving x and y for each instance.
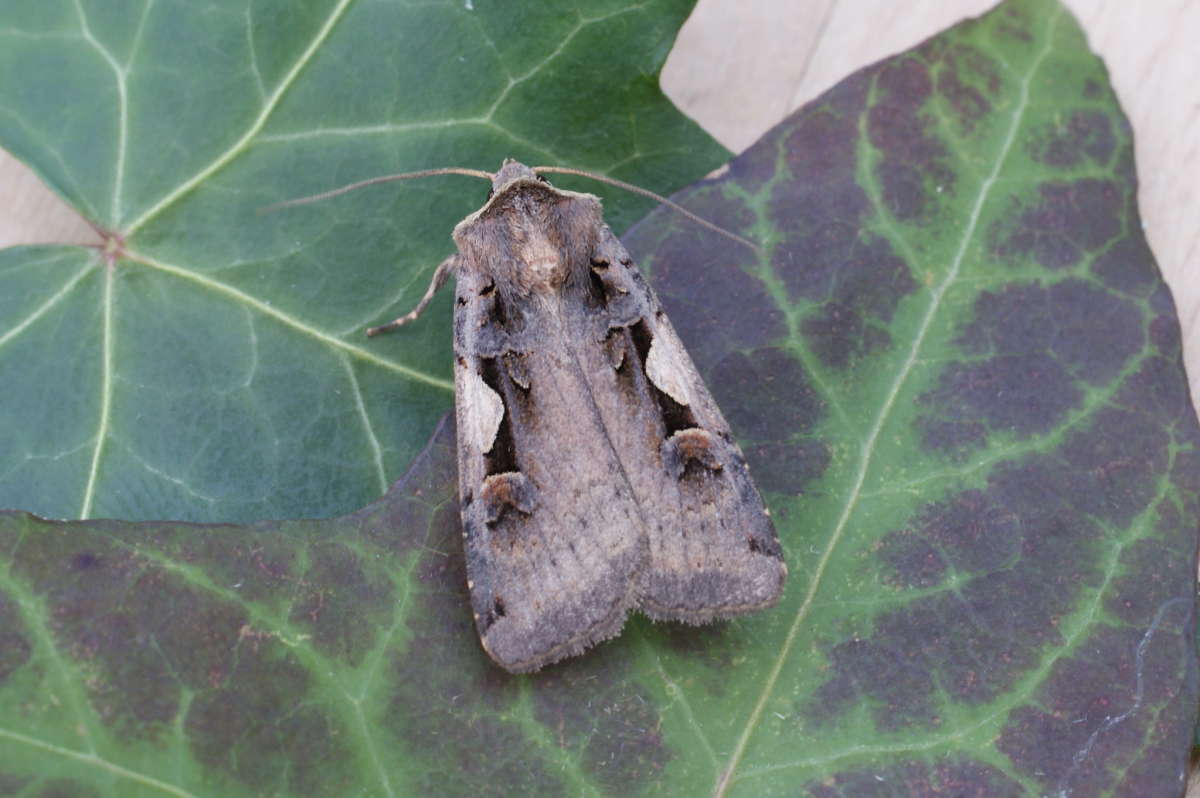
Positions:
(543, 262)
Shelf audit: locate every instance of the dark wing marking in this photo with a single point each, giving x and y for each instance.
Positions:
(554, 542)
(714, 552)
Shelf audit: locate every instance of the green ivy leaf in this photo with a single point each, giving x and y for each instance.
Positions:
(211, 365)
(957, 376)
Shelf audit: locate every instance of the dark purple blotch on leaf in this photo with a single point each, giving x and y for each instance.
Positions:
(148, 632)
(704, 290)
(773, 408)
(1082, 136)
(948, 777)
(257, 725)
(1030, 351)
(1091, 718)
(912, 166)
(1015, 395)
(15, 645)
(849, 283)
(12, 784)
(1024, 550)
(341, 604)
(1067, 221)
(967, 78)
(1128, 265)
(66, 788)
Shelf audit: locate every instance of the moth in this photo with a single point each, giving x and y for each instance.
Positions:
(596, 474)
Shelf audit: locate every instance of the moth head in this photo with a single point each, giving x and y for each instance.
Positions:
(510, 172)
(514, 177)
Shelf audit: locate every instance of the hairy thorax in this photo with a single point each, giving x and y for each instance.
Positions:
(542, 262)
(529, 239)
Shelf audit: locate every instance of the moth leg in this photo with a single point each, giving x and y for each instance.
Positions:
(444, 270)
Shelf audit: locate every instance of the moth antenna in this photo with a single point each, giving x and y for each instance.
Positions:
(449, 170)
(612, 181)
(444, 270)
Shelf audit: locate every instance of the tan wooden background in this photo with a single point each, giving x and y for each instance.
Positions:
(741, 65)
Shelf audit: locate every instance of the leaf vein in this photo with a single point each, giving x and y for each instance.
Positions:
(368, 428)
(255, 126)
(938, 292)
(120, 74)
(290, 321)
(106, 387)
(51, 302)
(97, 761)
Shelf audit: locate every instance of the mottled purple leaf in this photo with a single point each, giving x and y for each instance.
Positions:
(986, 453)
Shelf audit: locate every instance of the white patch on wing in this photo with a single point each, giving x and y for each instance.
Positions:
(663, 369)
(484, 411)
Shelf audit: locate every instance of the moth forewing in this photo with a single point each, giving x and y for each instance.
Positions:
(596, 474)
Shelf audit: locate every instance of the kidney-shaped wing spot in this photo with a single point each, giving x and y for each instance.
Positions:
(484, 411)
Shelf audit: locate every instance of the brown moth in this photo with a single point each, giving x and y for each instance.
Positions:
(595, 473)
